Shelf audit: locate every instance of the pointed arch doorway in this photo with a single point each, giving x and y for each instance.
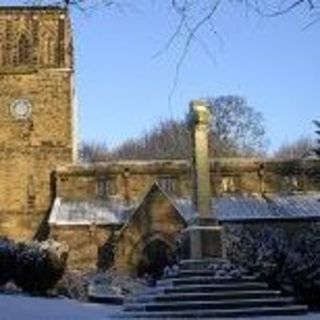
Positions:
(156, 255)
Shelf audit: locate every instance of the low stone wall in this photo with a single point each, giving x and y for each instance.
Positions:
(130, 180)
(84, 244)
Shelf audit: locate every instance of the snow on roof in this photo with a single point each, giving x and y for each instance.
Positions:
(65, 212)
(228, 208)
(259, 207)
(299, 205)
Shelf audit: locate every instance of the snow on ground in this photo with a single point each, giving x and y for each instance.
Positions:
(13, 307)
(31, 308)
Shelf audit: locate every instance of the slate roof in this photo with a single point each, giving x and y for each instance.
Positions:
(65, 212)
(258, 207)
(229, 208)
(297, 206)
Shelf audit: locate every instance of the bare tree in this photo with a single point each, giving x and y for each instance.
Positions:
(237, 130)
(93, 152)
(169, 139)
(296, 149)
(193, 15)
(196, 21)
(78, 4)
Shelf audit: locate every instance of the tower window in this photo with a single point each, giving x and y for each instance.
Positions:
(51, 52)
(24, 50)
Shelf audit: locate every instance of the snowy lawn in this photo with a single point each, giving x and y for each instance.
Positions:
(13, 307)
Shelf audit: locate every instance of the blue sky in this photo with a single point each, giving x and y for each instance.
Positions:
(122, 90)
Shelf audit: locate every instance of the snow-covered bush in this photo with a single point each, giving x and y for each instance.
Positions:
(74, 285)
(34, 266)
(303, 264)
(261, 250)
(39, 265)
(291, 264)
(7, 260)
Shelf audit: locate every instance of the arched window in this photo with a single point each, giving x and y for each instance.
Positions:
(24, 50)
(48, 50)
(2, 49)
(51, 52)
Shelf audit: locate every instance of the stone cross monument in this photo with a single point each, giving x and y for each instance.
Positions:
(203, 236)
(200, 122)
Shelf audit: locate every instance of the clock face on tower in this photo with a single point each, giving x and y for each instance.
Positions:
(21, 109)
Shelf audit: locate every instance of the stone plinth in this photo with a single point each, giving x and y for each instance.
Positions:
(203, 239)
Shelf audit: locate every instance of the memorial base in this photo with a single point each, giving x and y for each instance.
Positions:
(203, 239)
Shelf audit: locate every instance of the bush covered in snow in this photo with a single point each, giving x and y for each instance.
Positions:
(34, 267)
(74, 285)
(292, 264)
(7, 260)
(80, 285)
(303, 264)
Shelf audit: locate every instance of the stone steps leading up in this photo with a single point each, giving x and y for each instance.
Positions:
(194, 291)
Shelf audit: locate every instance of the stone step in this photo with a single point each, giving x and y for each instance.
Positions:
(202, 280)
(199, 305)
(217, 313)
(198, 263)
(194, 273)
(214, 287)
(209, 296)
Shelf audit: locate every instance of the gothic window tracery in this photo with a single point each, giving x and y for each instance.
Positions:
(48, 49)
(2, 49)
(24, 50)
(51, 51)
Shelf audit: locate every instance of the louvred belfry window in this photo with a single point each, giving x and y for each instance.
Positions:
(24, 50)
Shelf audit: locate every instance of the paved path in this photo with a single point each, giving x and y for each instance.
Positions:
(14, 307)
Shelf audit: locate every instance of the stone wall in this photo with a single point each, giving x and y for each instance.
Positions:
(85, 243)
(126, 180)
(130, 180)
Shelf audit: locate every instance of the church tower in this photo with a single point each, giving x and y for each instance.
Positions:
(36, 113)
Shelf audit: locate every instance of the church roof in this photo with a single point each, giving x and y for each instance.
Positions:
(155, 189)
(228, 208)
(78, 212)
(234, 208)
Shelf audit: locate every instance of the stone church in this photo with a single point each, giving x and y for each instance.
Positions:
(124, 214)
